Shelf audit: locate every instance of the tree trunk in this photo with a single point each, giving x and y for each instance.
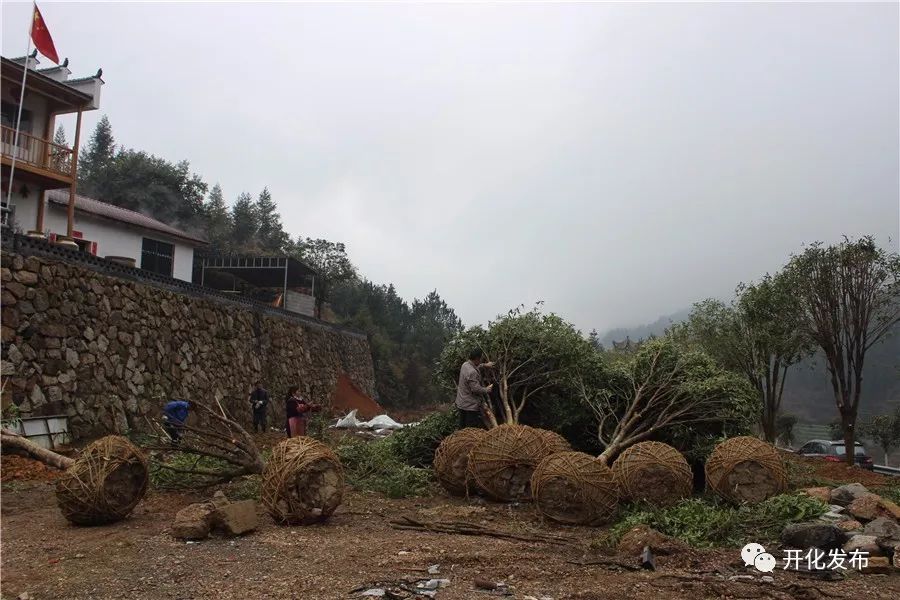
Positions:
(848, 422)
(48, 457)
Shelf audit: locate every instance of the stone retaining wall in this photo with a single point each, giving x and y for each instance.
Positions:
(108, 351)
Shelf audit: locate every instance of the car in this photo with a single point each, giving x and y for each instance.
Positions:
(835, 451)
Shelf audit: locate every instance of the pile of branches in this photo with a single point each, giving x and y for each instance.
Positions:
(213, 449)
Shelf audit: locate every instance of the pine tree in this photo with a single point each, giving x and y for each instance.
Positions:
(272, 237)
(59, 157)
(246, 223)
(218, 220)
(98, 154)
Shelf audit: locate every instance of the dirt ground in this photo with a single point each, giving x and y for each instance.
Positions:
(48, 558)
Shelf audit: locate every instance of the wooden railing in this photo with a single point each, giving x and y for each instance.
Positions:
(37, 152)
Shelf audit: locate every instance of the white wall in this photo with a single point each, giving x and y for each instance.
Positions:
(113, 238)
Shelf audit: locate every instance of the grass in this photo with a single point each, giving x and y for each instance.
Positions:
(890, 492)
(375, 466)
(709, 522)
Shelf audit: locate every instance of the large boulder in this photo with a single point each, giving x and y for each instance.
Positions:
(882, 527)
(869, 507)
(846, 494)
(824, 536)
(633, 542)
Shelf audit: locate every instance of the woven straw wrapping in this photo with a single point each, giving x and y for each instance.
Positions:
(573, 488)
(745, 469)
(104, 485)
(501, 464)
(653, 472)
(554, 441)
(303, 482)
(451, 459)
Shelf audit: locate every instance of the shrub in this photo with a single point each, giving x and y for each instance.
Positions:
(416, 445)
(709, 522)
(375, 466)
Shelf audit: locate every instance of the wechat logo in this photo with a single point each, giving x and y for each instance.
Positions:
(755, 555)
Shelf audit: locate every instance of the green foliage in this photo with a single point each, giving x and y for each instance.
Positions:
(375, 466)
(757, 335)
(682, 396)
(890, 492)
(244, 488)
(536, 356)
(885, 431)
(405, 339)
(163, 478)
(218, 220)
(416, 445)
(271, 236)
(96, 157)
(710, 522)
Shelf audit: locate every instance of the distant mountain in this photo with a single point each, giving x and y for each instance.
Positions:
(658, 327)
(807, 390)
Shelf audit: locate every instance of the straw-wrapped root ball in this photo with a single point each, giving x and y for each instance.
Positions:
(653, 472)
(745, 469)
(574, 488)
(303, 482)
(451, 459)
(501, 464)
(104, 484)
(554, 441)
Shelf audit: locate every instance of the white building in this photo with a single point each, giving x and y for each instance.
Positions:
(43, 191)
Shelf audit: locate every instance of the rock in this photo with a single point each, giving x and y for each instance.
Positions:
(865, 543)
(846, 494)
(219, 498)
(896, 561)
(53, 330)
(850, 525)
(868, 507)
(237, 518)
(25, 277)
(634, 541)
(194, 522)
(824, 536)
(878, 565)
(820, 493)
(882, 527)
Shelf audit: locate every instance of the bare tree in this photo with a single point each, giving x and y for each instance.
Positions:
(850, 300)
(661, 387)
(215, 436)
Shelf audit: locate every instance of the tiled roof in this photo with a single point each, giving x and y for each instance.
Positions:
(123, 215)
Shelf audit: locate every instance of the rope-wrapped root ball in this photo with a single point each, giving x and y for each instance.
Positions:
(745, 469)
(451, 459)
(104, 484)
(574, 488)
(303, 482)
(501, 464)
(653, 472)
(554, 441)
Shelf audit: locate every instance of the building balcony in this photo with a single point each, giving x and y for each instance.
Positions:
(47, 164)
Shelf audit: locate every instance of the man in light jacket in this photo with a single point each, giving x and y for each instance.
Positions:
(470, 394)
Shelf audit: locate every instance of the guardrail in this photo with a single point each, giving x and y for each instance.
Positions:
(887, 470)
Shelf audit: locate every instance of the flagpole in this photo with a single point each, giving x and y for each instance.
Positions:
(15, 148)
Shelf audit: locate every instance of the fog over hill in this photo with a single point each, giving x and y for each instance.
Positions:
(807, 391)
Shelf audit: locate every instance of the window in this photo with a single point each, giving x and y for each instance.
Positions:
(157, 257)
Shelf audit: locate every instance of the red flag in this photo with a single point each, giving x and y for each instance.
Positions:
(41, 37)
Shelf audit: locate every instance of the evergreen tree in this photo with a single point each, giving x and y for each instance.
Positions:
(271, 235)
(98, 155)
(246, 224)
(58, 156)
(218, 219)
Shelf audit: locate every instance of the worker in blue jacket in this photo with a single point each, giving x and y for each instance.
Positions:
(175, 413)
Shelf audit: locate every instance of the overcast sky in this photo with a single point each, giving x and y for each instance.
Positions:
(617, 161)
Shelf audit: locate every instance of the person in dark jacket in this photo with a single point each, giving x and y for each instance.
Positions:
(175, 413)
(259, 404)
(297, 411)
(470, 394)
